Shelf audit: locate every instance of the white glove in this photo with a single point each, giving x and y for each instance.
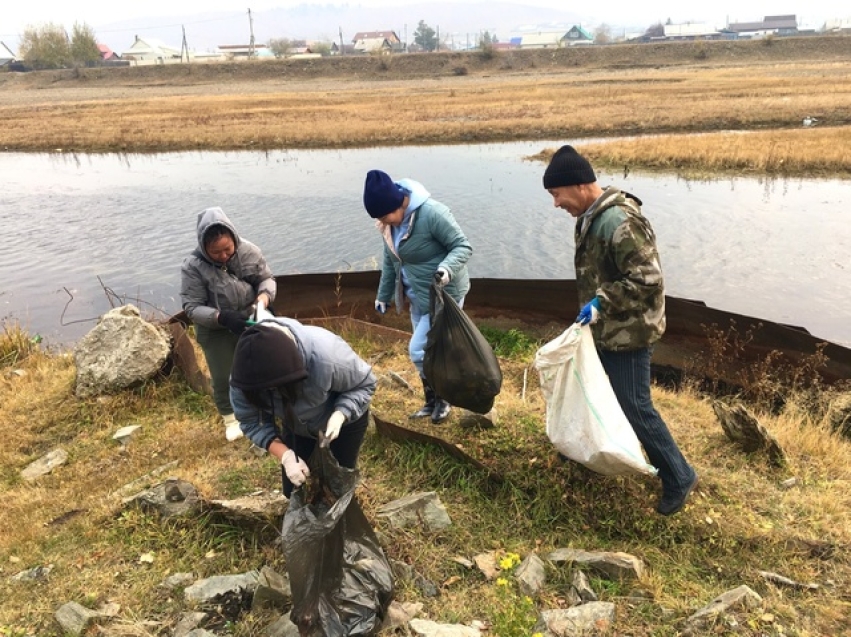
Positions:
(444, 275)
(295, 468)
(332, 430)
(380, 306)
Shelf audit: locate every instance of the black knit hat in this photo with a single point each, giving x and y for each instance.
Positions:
(568, 168)
(265, 357)
(381, 195)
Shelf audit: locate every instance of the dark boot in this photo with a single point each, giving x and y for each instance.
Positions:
(441, 410)
(428, 408)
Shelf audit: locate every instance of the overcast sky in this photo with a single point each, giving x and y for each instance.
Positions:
(18, 14)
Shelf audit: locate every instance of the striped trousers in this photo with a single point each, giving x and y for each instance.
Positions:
(629, 374)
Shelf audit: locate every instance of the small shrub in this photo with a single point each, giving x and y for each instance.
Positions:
(16, 345)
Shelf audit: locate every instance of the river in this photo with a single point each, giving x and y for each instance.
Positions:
(87, 230)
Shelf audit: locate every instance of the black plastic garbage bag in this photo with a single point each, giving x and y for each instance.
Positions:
(459, 363)
(341, 581)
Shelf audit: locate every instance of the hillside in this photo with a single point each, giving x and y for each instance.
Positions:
(435, 65)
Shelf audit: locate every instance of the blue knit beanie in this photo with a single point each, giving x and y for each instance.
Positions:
(381, 195)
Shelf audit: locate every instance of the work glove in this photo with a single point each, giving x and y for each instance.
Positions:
(380, 306)
(442, 276)
(235, 321)
(332, 429)
(590, 312)
(295, 468)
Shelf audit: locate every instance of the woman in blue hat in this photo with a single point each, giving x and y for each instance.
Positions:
(421, 239)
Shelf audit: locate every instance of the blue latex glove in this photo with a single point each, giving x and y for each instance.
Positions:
(380, 306)
(589, 313)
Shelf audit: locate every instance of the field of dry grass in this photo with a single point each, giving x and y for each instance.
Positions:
(742, 519)
(148, 110)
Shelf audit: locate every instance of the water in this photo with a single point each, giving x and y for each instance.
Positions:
(82, 229)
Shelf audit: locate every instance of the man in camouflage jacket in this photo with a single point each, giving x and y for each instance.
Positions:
(622, 294)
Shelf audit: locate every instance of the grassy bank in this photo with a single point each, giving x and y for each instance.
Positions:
(740, 521)
(626, 90)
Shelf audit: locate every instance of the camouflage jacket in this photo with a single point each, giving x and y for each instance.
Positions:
(616, 260)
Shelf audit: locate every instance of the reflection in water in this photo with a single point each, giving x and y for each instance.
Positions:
(91, 224)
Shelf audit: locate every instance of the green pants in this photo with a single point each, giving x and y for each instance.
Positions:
(218, 347)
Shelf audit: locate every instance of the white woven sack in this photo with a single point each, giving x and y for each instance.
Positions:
(584, 419)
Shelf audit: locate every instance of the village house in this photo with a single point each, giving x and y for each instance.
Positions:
(244, 51)
(376, 41)
(344, 49)
(151, 51)
(578, 35)
(556, 39)
(691, 31)
(779, 25)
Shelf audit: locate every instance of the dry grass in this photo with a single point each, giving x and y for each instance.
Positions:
(740, 521)
(545, 104)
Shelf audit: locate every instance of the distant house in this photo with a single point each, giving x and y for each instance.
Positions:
(6, 55)
(691, 31)
(243, 51)
(771, 25)
(345, 49)
(838, 25)
(578, 35)
(375, 41)
(150, 50)
(516, 41)
(542, 40)
(107, 54)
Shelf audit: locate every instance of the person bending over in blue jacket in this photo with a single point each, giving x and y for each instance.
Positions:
(293, 384)
(421, 239)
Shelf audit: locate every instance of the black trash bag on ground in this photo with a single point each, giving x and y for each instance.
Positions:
(341, 581)
(459, 363)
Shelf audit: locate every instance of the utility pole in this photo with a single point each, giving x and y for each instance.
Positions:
(251, 40)
(342, 48)
(184, 46)
(406, 37)
(437, 48)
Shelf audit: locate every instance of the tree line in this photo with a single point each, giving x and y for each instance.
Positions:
(49, 46)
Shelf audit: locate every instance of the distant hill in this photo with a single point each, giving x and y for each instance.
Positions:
(457, 22)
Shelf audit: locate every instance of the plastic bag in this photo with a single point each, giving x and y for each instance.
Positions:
(584, 419)
(341, 581)
(459, 363)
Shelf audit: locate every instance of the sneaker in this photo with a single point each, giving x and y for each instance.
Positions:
(671, 503)
(232, 429)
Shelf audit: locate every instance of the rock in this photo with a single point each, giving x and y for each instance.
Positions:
(172, 498)
(578, 621)
(740, 597)
(205, 590)
(45, 464)
(120, 352)
(612, 565)
(74, 618)
(531, 575)
(417, 508)
(743, 428)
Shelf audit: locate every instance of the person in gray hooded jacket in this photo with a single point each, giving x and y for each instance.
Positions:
(421, 240)
(222, 282)
(294, 384)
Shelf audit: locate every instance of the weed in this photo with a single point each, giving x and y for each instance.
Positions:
(16, 345)
(511, 343)
(516, 614)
